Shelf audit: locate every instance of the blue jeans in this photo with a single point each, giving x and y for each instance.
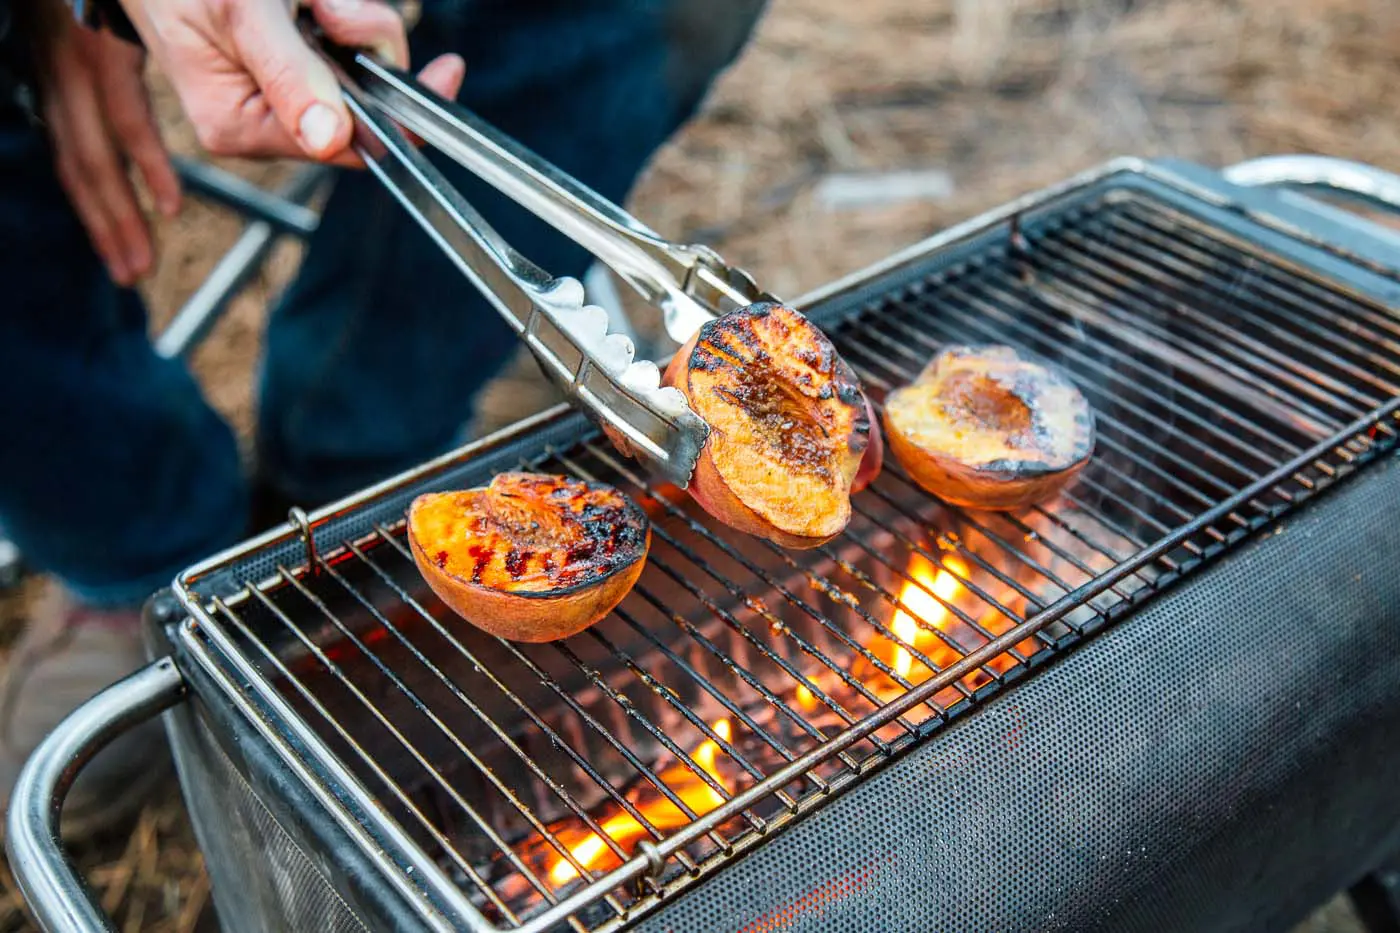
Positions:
(114, 471)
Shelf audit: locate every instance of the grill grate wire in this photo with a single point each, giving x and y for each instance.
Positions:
(1209, 364)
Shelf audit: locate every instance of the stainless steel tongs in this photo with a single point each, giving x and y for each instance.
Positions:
(689, 284)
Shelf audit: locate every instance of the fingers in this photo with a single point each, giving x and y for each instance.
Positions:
(251, 84)
(150, 157)
(129, 115)
(444, 75)
(91, 171)
(298, 88)
(84, 200)
(364, 24)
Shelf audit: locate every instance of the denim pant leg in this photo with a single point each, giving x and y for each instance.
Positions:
(114, 473)
(378, 349)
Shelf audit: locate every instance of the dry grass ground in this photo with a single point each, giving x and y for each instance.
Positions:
(1002, 95)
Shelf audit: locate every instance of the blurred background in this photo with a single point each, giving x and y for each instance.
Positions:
(849, 129)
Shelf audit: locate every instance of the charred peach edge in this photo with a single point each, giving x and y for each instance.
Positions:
(978, 488)
(872, 462)
(997, 486)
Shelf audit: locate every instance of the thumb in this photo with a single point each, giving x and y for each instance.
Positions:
(296, 82)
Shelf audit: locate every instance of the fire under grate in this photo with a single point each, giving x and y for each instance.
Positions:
(740, 684)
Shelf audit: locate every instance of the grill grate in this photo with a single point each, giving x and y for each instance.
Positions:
(740, 684)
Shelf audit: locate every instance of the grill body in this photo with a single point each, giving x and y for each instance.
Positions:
(1226, 761)
(1222, 758)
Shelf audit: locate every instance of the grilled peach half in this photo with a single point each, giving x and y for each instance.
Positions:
(988, 428)
(789, 425)
(530, 557)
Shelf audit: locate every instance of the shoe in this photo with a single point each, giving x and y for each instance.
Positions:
(68, 653)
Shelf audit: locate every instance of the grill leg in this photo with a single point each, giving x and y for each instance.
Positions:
(1377, 900)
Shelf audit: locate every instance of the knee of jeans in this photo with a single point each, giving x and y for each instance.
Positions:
(704, 37)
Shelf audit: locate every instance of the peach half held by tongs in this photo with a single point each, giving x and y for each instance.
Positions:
(697, 293)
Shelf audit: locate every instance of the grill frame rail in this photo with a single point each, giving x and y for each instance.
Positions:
(207, 589)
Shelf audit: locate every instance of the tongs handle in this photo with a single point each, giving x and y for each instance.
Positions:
(594, 368)
(689, 283)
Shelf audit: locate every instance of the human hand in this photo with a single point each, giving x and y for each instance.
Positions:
(251, 85)
(94, 103)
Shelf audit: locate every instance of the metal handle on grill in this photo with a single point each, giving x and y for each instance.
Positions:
(1353, 181)
(57, 895)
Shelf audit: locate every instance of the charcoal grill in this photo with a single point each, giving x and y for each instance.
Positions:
(1168, 700)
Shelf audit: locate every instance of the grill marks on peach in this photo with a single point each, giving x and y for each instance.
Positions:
(777, 395)
(975, 402)
(530, 557)
(513, 540)
(789, 425)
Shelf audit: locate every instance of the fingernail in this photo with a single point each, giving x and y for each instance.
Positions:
(343, 6)
(318, 127)
(138, 262)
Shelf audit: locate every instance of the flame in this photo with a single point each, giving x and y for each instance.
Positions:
(925, 622)
(623, 829)
(925, 595)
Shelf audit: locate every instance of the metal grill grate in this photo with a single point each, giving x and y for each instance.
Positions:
(740, 684)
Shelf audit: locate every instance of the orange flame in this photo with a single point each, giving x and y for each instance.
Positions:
(922, 613)
(925, 595)
(593, 853)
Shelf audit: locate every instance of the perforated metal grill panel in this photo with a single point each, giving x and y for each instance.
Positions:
(261, 880)
(1224, 760)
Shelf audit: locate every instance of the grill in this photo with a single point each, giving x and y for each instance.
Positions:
(1237, 369)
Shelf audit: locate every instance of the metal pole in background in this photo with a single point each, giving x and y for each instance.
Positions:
(284, 209)
(271, 214)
